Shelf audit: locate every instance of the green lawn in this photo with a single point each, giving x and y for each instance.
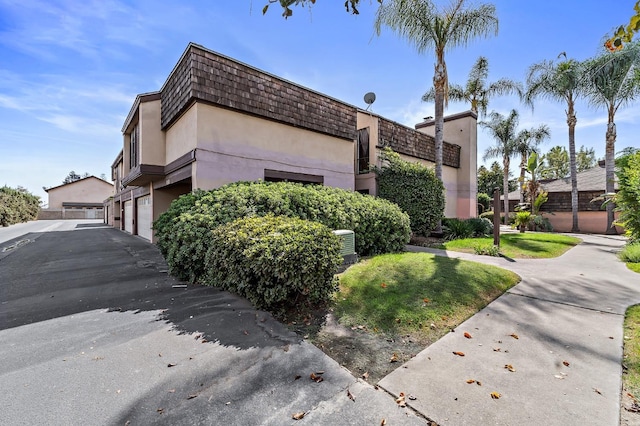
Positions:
(531, 245)
(408, 292)
(631, 360)
(635, 267)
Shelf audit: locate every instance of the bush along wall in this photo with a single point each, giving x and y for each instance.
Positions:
(414, 187)
(380, 226)
(274, 261)
(17, 205)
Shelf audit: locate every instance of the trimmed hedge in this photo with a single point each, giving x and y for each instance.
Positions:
(380, 226)
(163, 225)
(628, 197)
(17, 206)
(274, 260)
(414, 187)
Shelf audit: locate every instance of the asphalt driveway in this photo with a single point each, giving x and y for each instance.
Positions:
(94, 331)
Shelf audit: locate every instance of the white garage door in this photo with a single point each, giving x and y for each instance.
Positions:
(144, 217)
(128, 216)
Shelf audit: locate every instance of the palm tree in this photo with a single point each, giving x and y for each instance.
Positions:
(503, 130)
(427, 26)
(477, 91)
(527, 142)
(560, 81)
(613, 80)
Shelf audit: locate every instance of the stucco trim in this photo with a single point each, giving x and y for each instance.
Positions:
(456, 116)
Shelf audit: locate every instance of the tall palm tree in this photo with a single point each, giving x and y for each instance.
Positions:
(560, 81)
(503, 130)
(477, 91)
(527, 142)
(613, 81)
(428, 26)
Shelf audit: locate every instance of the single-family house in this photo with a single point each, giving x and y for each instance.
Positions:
(216, 120)
(81, 199)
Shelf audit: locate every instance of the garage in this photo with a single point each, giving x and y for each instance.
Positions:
(128, 216)
(144, 213)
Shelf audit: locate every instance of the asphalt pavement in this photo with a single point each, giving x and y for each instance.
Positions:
(94, 331)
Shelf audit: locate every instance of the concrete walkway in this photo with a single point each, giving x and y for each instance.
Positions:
(551, 347)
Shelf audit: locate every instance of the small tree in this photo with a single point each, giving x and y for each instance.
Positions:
(628, 197)
(414, 187)
(71, 177)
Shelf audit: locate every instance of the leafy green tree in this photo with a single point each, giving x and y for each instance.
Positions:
(563, 82)
(17, 205)
(613, 81)
(503, 130)
(527, 142)
(71, 177)
(477, 91)
(585, 159)
(555, 163)
(350, 5)
(491, 178)
(628, 197)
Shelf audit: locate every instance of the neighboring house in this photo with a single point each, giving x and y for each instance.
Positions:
(216, 120)
(592, 218)
(81, 199)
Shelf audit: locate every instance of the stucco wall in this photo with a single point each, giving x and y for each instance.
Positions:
(182, 137)
(593, 222)
(89, 190)
(151, 135)
(233, 147)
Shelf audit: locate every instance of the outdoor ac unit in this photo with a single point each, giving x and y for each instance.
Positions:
(348, 242)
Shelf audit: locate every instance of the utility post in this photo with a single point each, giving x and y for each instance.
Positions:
(496, 217)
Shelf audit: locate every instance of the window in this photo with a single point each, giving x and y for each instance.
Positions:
(278, 176)
(363, 150)
(133, 148)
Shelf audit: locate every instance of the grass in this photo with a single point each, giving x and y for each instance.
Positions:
(631, 255)
(408, 292)
(631, 358)
(529, 245)
(635, 267)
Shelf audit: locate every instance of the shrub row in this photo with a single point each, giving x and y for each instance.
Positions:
(454, 228)
(182, 232)
(274, 260)
(17, 205)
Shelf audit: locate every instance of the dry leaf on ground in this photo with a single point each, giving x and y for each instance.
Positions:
(510, 368)
(394, 358)
(458, 353)
(495, 395)
(400, 400)
(316, 377)
(470, 381)
(350, 396)
(566, 364)
(298, 416)
(515, 336)
(467, 335)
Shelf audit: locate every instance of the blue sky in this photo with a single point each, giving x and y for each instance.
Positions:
(70, 69)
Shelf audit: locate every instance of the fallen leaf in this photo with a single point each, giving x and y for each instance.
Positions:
(316, 377)
(298, 416)
(365, 376)
(425, 300)
(596, 390)
(510, 368)
(458, 353)
(203, 341)
(478, 382)
(192, 396)
(400, 400)
(171, 364)
(297, 377)
(497, 349)
(350, 396)
(470, 381)
(245, 332)
(557, 376)
(495, 395)
(383, 422)
(514, 335)
(383, 285)
(171, 391)
(566, 364)
(467, 335)
(160, 410)
(394, 358)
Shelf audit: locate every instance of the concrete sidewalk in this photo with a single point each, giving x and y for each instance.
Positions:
(551, 346)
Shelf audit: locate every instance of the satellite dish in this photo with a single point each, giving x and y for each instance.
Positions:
(369, 98)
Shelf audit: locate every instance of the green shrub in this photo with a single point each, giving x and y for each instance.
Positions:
(487, 215)
(484, 202)
(380, 226)
(414, 187)
(480, 227)
(628, 197)
(522, 220)
(455, 229)
(630, 253)
(274, 261)
(542, 223)
(17, 206)
(163, 225)
(487, 250)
